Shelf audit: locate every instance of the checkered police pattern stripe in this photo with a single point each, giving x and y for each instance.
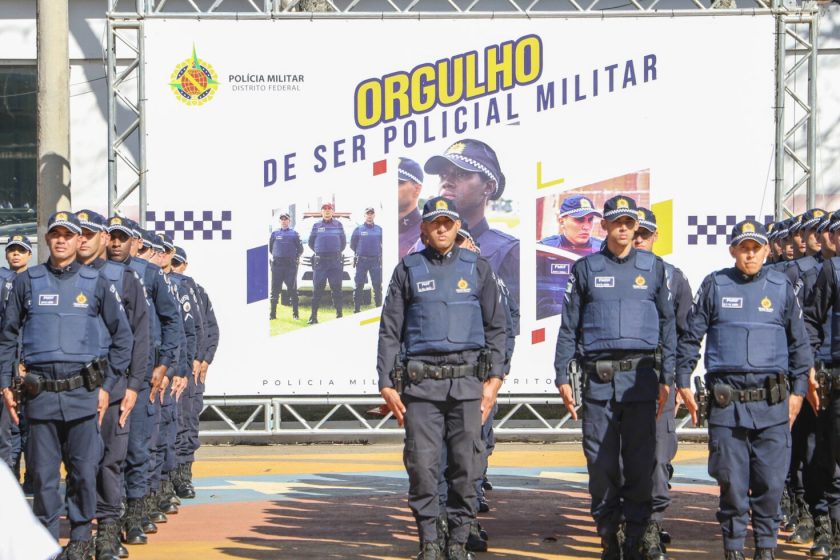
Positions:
(189, 224)
(715, 230)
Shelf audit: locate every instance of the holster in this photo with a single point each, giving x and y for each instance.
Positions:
(93, 374)
(398, 376)
(824, 384)
(32, 385)
(576, 380)
(604, 370)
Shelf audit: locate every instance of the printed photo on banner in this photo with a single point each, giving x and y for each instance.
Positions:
(470, 172)
(325, 260)
(569, 227)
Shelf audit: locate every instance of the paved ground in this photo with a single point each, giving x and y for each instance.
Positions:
(342, 501)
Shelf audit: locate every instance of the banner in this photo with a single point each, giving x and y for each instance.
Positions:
(338, 129)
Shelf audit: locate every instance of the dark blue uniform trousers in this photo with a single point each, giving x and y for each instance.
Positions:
(368, 266)
(184, 445)
(284, 271)
(7, 438)
(109, 480)
(164, 456)
(750, 466)
(79, 445)
(427, 424)
(619, 444)
(328, 269)
(666, 450)
(141, 421)
(812, 439)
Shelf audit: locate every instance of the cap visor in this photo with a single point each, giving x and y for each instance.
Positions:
(613, 215)
(438, 164)
(580, 213)
(70, 226)
(19, 244)
(431, 216)
(757, 237)
(126, 230)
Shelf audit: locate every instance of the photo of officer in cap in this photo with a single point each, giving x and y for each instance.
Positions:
(576, 218)
(757, 362)
(470, 175)
(441, 355)
(327, 240)
(366, 243)
(618, 329)
(285, 249)
(410, 180)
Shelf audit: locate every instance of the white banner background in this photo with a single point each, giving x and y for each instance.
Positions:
(703, 128)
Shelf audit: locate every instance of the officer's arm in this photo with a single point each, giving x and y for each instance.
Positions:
(682, 300)
(570, 322)
(299, 246)
(800, 355)
(818, 303)
(667, 327)
(354, 240)
(509, 272)
(212, 331)
(697, 324)
(493, 315)
(312, 235)
(13, 318)
(170, 322)
(138, 313)
(122, 341)
(271, 244)
(188, 317)
(512, 313)
(391, 325)
(342, 237)
(199, 320)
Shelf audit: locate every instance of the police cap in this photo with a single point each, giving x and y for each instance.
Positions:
(795, 224)
(64, 219)
(285, 216)
(834, 223)
(577, 206)
(118, 223)
(20, 240)
(166, 241)
(439, 206)
(91, 221)
(150, 240)
(749, 229)
(409, 170)
(619, 206)
(825, 222)
(470, 155)
(180, 255)
(647, 219)
(811, 219)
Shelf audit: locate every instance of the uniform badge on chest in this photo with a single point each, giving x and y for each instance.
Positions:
(559, 268)
(463, 287)
(732, 303)
(426, 286)
(640, 283)
(605, 281)
(48, 300)
(766, 306)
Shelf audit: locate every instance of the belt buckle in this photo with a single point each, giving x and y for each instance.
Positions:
(437, 372)
(625, 365)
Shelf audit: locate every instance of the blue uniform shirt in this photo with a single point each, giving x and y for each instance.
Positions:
(211, 326)
(501, 251)
(560, 241)
(366, 241)
(327, 237)
(409, 231)
(285, 244)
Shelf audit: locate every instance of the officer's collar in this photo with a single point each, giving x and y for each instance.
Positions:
(410, 220)
(72, 268)
(479, 228)
(612, 257)
(741, 277)
(566, 242)
(97, 263)
(434, 255)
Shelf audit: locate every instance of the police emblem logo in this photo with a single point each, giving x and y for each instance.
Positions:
(748, 228)
(81, 300)
(116, 221)
(441, 205)
(585, 203)
(463, 287)
(640, 283)
(17, 238)
(640, 214)
(456, 148)
(61, 216)
(82, 215)
(194, 81)
(622, 203)
(766, 305)
(819, 213)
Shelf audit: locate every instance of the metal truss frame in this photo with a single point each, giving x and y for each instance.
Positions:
(797, 29)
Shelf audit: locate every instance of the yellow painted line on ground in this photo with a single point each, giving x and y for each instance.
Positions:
(369, 321)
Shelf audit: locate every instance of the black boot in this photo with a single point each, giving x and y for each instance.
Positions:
(610, 548)
(183, 489)
(650, 547)
(187, 476)
(152, 508)
(165, 495)
(474, 541)
(733, 555)
(313, 319)
(804, 532)
(765, 554)
(835, 540)
(106, 541)
(822, 537)
(132, 525)
(785, 506)
(442, 526)
(77, 550)
(455, 551)
(430, 551)
(170, 488)
(483, 506)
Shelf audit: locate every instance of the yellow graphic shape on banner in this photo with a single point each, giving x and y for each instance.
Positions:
(664, 212)
(540, 184)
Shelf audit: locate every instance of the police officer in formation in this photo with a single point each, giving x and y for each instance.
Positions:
(666, 432)
(451, 368)
(410, 184)
(757, 362)
(366, 243)
(123, 390)
(618, 326)
(13, 436)
(327, 240)
(285, 248)
(54, 313)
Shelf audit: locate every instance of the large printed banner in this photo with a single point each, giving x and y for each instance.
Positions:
(339, 129)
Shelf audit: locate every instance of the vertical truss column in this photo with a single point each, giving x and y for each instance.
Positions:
(126, 115)
(796, 127)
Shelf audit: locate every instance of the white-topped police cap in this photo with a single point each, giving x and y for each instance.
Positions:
(619, 206)
(118, 223)
(577, 206)
(439, 206)
(470, 155)
(20, 240)
(65, 219)
(91, 221)
(647, 219)
(748, 229)
(409, 170)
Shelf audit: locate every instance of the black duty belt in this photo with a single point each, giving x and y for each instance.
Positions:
(418, 371)
(370, 257)
(774, 392)
(605, 370)
(61, 385)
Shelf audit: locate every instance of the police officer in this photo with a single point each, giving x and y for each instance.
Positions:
(619, 321)
(122, 391)
(410, 179)
(576, 218)
(453, 370)
(327, 241)
(781, 235)
(165, 338)
(666, 433)
(285, 248)
(827, 246)
(470, 174)
(822, 310)
(366, 243)
(756, 353)
(12, 436)
(795, 238)
(55, 308)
